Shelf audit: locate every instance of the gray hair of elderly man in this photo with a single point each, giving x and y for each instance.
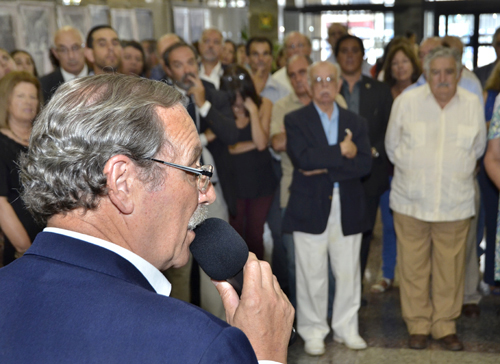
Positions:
(315, 64)
(442, 52)
(88, 121)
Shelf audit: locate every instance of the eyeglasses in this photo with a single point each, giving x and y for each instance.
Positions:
(328, 80)
(230, 78)
(64, 51)
(204, 173)
(295, 46)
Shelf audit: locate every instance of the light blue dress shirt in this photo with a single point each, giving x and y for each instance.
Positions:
(330, 126)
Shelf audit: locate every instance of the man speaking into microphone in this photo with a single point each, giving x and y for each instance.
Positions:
(114, 170)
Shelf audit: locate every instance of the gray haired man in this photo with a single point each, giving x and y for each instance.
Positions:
(435, 135)
(114, 169)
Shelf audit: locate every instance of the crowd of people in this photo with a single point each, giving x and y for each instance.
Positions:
(311, 148)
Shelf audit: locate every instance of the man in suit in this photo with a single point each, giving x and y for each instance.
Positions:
(211, 111)
(372, 100)
(68, 50)
(330, 152)
(105, 170)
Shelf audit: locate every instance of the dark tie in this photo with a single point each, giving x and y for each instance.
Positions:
(191, 110)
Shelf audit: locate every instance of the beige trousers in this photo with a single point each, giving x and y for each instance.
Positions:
(431, 266)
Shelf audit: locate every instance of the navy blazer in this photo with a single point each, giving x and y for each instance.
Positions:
(375, 103)
(50, 83)
(311, 197)
(69, 301)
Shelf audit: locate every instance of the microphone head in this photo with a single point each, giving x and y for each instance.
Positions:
(219, 250)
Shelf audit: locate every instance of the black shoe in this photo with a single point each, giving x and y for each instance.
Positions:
(471, 310)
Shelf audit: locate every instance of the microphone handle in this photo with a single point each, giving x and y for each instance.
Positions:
(237, 283)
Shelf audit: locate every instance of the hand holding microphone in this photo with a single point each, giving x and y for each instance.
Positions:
(263, 311)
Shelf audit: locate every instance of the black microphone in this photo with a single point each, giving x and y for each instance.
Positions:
(221, 252)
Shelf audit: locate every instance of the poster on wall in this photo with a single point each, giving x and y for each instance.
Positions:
(37, 27)
(8, 26)
(144, 20)
(99, 15)
(75, 16)
(124, 22)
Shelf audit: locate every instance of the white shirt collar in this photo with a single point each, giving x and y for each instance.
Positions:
(214, 76)
(157, 280)
(69, 76)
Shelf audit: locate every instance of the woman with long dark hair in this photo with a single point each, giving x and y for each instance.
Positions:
(251, 161)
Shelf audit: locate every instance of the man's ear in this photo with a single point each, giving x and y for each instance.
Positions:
(89, 54)
(339, 84)
(120, 174)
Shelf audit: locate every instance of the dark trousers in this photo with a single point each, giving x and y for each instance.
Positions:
(249, 222)
(489, 198)
(274, 220)
(372, 203)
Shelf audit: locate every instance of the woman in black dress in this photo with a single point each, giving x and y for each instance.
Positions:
(20, 96)
(251, 161)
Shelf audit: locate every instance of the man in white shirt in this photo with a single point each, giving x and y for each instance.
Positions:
(435, 135)
(114, 170)
(210, 47)
(68, 50)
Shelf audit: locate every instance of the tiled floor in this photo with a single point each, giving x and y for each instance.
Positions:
(384, 330)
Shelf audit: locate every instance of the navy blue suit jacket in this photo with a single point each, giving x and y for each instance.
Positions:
(68, 301)
(50, 83)
(311, 196)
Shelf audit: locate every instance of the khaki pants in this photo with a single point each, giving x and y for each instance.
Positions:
(431, 266)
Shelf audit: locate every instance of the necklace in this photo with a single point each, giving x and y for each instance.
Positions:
(24, 140)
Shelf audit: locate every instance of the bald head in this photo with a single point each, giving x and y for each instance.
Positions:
(61, 32)
(335, 32)
(428, 45)
(296, 43)
(165, 42)
(68, 49)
